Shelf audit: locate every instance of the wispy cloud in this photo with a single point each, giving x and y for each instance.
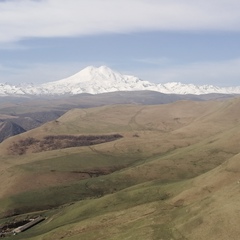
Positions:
(154, 61)
(21, 19)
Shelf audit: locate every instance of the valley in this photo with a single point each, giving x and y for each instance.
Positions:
(127, 170)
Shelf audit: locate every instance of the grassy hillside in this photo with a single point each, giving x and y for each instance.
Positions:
(173, 175)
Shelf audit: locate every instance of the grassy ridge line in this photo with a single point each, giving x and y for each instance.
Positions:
(123, 119)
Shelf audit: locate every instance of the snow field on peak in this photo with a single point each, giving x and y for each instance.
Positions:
(103, 79)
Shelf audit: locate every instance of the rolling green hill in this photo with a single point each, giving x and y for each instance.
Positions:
(173, 173)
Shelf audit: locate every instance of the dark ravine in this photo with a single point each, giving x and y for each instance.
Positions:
(24, 122)
(8, 129)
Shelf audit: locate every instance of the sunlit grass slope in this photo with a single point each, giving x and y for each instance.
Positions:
(162, 180)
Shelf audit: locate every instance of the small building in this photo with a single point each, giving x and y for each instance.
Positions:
(28, 225)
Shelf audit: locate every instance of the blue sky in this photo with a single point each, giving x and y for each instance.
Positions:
(157, 40)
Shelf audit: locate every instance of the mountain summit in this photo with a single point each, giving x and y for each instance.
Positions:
(103, 79)
(98, 80)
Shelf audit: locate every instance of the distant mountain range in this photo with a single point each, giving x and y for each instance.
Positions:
(103, 80)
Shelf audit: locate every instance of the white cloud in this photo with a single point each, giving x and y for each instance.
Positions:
(222, 73)
(52, 18)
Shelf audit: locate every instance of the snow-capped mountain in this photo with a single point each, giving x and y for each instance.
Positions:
(103, 79)
(97, 80)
